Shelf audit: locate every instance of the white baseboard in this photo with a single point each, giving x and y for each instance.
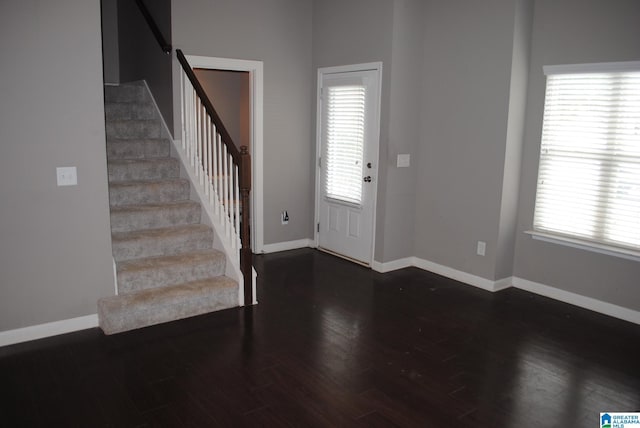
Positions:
(467, 278)
(595, 305)
(502, 284)
(392, 265)
(286, 246)
(40, 331)
(458, 275)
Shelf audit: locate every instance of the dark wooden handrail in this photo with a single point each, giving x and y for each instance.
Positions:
(242, 158)
(166, 47)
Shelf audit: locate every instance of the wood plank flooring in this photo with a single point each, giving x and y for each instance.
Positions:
(334, 344)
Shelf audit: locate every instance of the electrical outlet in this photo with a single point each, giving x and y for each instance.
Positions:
(482, 248)
(284, 217)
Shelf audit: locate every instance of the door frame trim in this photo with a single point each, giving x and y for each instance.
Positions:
(369, 66)
(256, 91)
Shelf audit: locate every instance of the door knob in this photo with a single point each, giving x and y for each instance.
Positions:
(367, 179)
(369, 165)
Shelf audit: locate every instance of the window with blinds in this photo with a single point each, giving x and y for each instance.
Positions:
(589, 173)
(344, 142)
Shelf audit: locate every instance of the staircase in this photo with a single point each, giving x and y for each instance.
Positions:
(167, 268)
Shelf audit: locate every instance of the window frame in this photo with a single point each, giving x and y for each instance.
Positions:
(625, 252)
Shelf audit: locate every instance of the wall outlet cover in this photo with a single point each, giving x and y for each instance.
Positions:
(67, 176)
(403, 161)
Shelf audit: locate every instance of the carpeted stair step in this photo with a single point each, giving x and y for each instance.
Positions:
(133, 129)
(161, 242)
(159, 305)
(162, 271)
(125, 94)
(148, 192)
(143, 169)
(129, 111)
(138, 149)
(166, 264)
(154, 216)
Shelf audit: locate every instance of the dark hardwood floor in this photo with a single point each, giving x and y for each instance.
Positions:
(335, 344)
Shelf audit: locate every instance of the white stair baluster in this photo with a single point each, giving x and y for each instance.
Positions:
(189, 130)
(193, 129)
(225, 198)
(182, 115)
(205, 149)
(200, 156)
(191, 125)
(202, 144)
(208, 191)
(220, 177)
(214, 148)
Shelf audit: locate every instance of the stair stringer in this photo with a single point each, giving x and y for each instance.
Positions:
(220, 241)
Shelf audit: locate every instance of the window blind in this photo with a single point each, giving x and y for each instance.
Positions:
(345, 142)
(589, 173)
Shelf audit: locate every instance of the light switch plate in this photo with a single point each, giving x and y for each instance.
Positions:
(67, 176)
(403, 161)
(482, 248)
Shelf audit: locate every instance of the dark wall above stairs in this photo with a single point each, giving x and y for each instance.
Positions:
(140, 56)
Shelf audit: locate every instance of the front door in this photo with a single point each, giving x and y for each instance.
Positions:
(348, 134)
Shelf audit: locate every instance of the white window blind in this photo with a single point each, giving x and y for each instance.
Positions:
(345, 142)
(589, 174)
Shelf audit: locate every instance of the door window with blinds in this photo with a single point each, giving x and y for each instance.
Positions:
(589, 173)
(345, 126)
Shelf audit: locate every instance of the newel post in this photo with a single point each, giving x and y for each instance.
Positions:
(246, 264)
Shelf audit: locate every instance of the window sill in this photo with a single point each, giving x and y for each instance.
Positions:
(609, 250)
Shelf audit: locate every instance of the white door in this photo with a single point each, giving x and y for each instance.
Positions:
(348, 134)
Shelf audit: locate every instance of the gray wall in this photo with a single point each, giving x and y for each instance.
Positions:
(406, 75)
(566, 32)
(505, 246)
(468, 48)
(277, 32)
(110, 49)
(55, 251)
(467, 61)
(140, 54)
(228, 91)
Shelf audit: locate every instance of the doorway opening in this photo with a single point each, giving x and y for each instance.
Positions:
(246, 78)
(229, 92)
